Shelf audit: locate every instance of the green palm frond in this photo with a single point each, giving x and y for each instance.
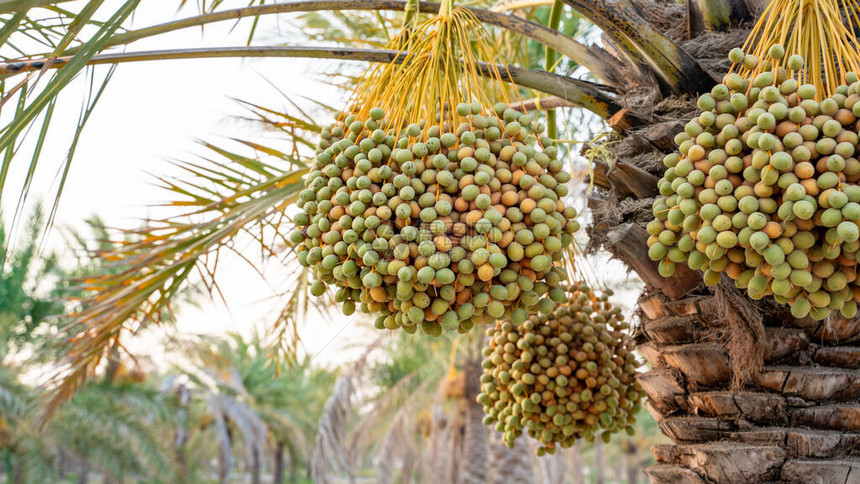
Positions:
(29, 453)
(241, 390)
(7, 6)
(118, 428)
(16, 399)
(26, 306)
(42, 24)
(37, 97)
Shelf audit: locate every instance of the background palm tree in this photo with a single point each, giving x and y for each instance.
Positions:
(397, 423)
(116, 427)
(111, 427)
(26, 280)
(123, 424)
(251, 405)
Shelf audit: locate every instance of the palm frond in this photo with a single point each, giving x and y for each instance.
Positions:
(33, 106)
(7, 6)
(353, 20)
(371, 420)
(224, 196)
(397, 445)
(16, 399)
(243, 418)
(332, 429)
(117, 428)
(241, 390)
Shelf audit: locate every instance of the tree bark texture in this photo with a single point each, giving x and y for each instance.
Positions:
(796, 419)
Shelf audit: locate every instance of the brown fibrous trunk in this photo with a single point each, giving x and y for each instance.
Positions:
(747, 393)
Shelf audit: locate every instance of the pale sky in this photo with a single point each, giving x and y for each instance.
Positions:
(152, 112)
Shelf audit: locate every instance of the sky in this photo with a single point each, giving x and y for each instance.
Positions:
(154, 112)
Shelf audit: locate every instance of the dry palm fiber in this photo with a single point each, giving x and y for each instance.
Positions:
(746, 332)
(669, 17)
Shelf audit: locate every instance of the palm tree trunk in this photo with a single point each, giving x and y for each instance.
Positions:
(620, 470)
(575, 467)
(796, 420)
(278, 475)
(83, 472)
(225, 463)
(294, 464)
(439, 464)
(510, 465)
(256, 466)
(406, 472)
(20, 474)
(474, 446)
(455, 442)
(475, 441)
(632, 463)
(179, 453)
(598, 461)
(180, 436)
(793, 417)
(62, 459)
(553, 468)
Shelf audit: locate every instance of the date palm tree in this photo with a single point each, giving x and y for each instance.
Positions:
(112, 426)
(245, 403)
(116, 427)
(788, 417)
